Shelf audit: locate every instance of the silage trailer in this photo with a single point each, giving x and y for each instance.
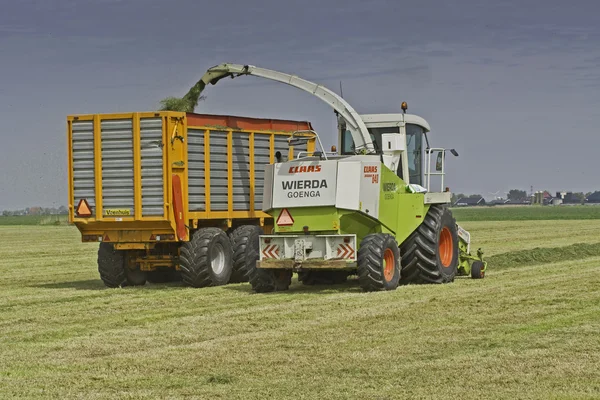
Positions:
(169, 193)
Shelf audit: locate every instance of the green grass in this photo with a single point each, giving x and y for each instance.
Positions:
(529, 330)
(33, 220)
(526, 213)
(508, 236)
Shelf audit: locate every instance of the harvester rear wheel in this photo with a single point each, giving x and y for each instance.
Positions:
(430, 254)
(245, 243)
(112, 266)
(322, 277)
(206, 259)
(378, 263)
(477, 271)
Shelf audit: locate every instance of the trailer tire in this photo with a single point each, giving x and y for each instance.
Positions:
(477, 271)
(206, 259)
(430, 254)
(378, 263)
(111, 266)
(270, 280)
(312, 277)
(245, 243)
(113, 270)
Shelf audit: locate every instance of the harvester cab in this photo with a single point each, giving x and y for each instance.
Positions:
(369, 209)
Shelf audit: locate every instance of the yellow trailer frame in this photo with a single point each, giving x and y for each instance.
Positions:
(136, 231)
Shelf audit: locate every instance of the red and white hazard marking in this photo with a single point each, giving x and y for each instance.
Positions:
(285, 218)
(271, 251)
(345, 251)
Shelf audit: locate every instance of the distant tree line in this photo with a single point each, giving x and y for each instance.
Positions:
(62, 210)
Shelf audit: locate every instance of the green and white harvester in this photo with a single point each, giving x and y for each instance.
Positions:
(368, 209)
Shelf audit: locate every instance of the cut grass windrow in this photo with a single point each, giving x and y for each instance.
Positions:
(544, 255)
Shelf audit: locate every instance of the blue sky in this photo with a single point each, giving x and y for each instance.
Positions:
(514, 86)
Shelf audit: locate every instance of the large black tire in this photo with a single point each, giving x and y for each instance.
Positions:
(206, 259)
(113, 270)
(111, 266)
(430, 254)
(315, 277)
(270, 280)
(378, 263)
(245, 243)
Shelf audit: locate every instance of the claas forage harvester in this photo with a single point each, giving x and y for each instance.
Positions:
(369, 209)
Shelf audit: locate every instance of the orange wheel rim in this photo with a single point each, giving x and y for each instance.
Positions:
(389, 264)
(446, 247)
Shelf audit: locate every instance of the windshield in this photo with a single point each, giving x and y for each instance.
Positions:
(375, 133)
(414, 146)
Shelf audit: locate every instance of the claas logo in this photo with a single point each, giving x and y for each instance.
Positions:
(304, 168)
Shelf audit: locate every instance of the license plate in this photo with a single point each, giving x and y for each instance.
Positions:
(299, 250)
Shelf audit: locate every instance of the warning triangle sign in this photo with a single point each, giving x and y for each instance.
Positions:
(285, 218)
(83, 209)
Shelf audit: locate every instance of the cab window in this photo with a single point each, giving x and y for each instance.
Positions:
(375, 133)
(414, 146)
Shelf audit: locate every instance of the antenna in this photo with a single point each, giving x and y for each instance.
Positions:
(341, 90)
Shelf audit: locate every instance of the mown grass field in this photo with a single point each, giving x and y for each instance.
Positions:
(529, 330)
(526, 213)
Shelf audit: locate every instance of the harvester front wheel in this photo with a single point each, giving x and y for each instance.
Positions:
(206, 259)
(477, 271)
(270, 280)
(378, 263)
(430, 254)
(112, 266)
(245, 243)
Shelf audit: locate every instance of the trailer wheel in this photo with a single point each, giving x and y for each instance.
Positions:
(477, 271)
(312, 277)
(245, 243)
(378, 263)
(270, 280)
(206, 259)
(113, 270)
(430, 254)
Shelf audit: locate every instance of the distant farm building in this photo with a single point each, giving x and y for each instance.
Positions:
(498, 202)
(593, 198)
(544, 198)
(470, 201)
(568, 198)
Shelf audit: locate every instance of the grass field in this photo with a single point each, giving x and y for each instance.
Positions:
(523, 213)
(33, 220)
(527, 331)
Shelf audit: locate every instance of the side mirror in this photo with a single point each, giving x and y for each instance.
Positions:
(454, 152)
(438, 162)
